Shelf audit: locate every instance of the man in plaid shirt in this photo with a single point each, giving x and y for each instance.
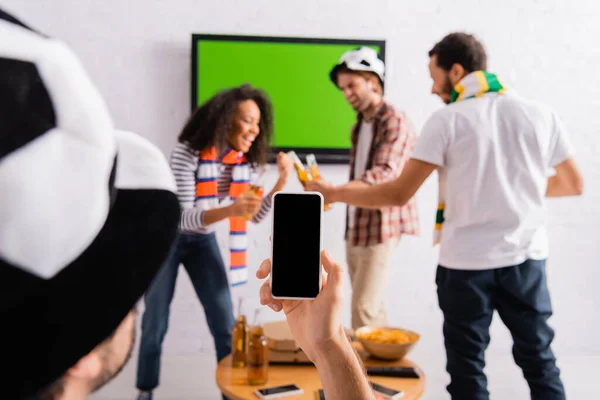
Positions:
(382, 142)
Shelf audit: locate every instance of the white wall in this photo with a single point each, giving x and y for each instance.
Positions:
(138, 53)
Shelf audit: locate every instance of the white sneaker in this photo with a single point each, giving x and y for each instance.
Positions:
(144, 396)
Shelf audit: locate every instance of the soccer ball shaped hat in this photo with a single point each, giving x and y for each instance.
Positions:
(361, 59)
(87, 213)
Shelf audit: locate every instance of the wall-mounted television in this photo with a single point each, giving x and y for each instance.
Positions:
(310, 113)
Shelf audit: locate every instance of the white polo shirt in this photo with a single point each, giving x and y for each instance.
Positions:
(495, 154)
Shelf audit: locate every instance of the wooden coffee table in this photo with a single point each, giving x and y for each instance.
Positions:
(306, 377)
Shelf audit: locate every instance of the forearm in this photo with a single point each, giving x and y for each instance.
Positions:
(363, 195)
(279, 185)
(558, 188)
(393, 193)
(217, 214)
(264, 210)
(567, 181)
(342, 373)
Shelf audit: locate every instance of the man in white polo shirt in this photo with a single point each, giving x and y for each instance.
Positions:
(495, 153)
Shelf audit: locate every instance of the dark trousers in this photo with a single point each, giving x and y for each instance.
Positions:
(202, 260)
(520, 295)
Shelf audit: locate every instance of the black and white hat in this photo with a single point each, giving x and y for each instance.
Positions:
(87, 213)
(361, 59)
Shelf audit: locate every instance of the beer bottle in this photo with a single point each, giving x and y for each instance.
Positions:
(303, 175)
(239, 339)
(256, 188)
(313, 168)
(311, 162)
(257, 359)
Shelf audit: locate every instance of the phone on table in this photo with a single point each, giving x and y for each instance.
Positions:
(279, 391)
(296, 245)
(386, 392)
(320, 394)
(397, 372)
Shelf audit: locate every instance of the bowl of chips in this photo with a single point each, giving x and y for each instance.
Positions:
(387, 343)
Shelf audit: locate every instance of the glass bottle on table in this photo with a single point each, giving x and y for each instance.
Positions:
(239, 339)
(257, 356)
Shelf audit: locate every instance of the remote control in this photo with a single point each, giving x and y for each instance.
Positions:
(397, 372)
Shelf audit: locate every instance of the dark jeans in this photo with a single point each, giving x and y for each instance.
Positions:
(202, 260)
(519, 293)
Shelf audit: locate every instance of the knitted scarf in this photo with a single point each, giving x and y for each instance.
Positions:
(474, 85)
(207, 192)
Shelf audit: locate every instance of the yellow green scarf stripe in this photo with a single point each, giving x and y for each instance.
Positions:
(439, 216)
(476, 84)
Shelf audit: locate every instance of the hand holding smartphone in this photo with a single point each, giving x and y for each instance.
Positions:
(296, 245)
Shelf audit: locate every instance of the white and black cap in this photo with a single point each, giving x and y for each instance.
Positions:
(87, 212)
(361, 59)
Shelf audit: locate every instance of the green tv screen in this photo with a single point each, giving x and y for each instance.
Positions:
(310, 113)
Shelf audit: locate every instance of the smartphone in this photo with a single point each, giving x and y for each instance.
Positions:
(278, 391)
(386, 392)
(296, 243)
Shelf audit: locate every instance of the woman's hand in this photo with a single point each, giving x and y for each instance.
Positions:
(247, 204)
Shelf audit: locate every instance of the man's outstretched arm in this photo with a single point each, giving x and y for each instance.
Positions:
(394, 193)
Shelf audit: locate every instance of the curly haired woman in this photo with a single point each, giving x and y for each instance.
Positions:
(219, 148)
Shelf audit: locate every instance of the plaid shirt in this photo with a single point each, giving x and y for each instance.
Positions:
(393, 140)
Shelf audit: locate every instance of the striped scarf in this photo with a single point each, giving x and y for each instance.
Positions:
(474, 85)
(207, 193)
